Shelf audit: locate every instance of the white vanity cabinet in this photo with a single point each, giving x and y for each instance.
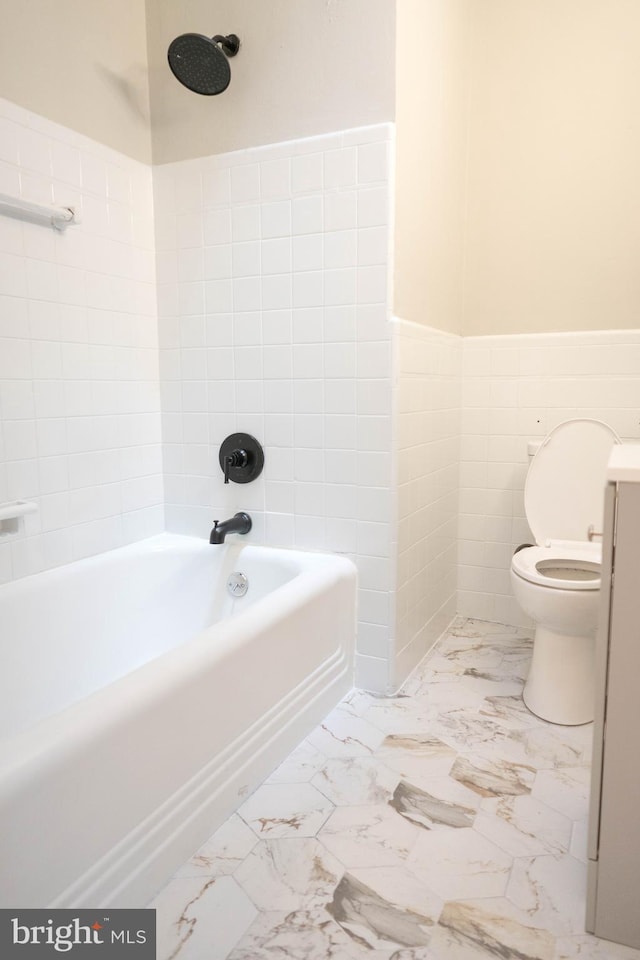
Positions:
(613, 898)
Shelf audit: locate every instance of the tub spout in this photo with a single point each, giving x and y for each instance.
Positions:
(239, 523)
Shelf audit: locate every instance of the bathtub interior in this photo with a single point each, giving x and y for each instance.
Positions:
(89, 623)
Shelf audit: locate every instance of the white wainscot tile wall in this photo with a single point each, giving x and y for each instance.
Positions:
(427, 455)
(274, 320)
(515, 389)
(79, 392)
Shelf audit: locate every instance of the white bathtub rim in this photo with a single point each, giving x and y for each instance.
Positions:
(161, 674)
(167, 542)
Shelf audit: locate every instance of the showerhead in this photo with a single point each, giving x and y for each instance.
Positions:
(200, 63)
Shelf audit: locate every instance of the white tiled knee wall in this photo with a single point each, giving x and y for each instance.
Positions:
(427, 454)
(273, 314)
(79, 394)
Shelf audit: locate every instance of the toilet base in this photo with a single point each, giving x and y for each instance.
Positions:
(560, 685)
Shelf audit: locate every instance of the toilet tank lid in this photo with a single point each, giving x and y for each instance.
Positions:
(564, 489)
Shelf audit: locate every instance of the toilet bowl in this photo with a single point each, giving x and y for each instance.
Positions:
(557, 581)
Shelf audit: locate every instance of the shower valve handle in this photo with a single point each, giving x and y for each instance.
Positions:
(237, 458)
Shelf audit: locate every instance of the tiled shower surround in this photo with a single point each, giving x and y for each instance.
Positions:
(273, 301)
(79, 396)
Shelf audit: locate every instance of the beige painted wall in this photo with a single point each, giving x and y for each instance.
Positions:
(554, 184)
(432, 92)
(81, 63)
(305, 67)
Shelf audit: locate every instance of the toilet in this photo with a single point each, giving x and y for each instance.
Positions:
(557, 581)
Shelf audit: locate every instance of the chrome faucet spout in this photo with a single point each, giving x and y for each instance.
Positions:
(239, 523)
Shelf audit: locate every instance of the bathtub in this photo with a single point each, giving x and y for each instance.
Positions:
(140, 703)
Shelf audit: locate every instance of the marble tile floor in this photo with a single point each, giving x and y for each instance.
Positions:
(445, 823)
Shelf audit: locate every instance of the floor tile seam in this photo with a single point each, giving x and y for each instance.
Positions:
(402, 859)
(503, 848)
(344, 806)
(399, 863)
(310, 901)
(537, 766)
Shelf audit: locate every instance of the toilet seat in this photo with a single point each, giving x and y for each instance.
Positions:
(563, 499)
(581, 558)
(564, 488)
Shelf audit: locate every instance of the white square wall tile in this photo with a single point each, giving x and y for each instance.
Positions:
(372, 673)
(307, 173)
(340, 360)
(308, 290)
(308, 465)
(34, 151)
(308, 429)
(373, 207)
(341, 211)
(22, 479)
(276, 219)
(277, 326)
(275, 179)
(307, 215)
(308, 396)
(340, 396)
(307, 325)
(341, 249)
(340, 324)
(217, 263)
(340, 287)
(341, 535)
(245, 183)
(280, 529)
(246, 259)
(246, 223)
(217, 227)
(216, 187)
(276, 256)
(19, 438)
(65, 163)
(17, 400)
(374, 359)
(373, 246)
(340, 432)
(340, 168)
(373, 163)
(246, 294)
(278, 402)
(308, 361)
(372, 284)
(247, 363)
(277, 292)
(310, 533)
(308, 252)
